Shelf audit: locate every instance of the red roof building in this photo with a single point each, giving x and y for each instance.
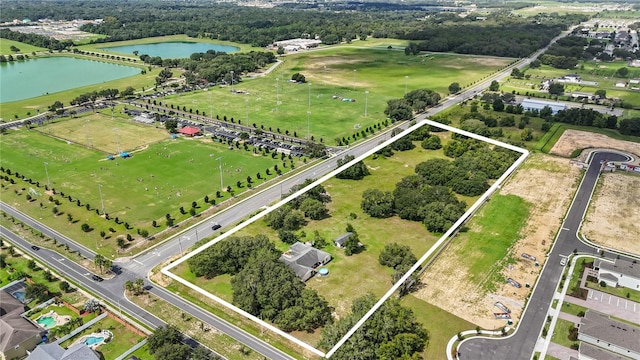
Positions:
(190, 131)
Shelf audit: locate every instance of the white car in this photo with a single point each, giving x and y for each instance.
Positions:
(563, 261)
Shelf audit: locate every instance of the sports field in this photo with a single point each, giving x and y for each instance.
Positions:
(101, 132)
(369, 77)
(153, 182)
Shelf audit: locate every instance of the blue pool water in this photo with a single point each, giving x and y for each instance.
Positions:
(91, 340)
(19, 295)
(46, 321)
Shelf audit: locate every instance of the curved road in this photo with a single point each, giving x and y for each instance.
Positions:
(520, 346)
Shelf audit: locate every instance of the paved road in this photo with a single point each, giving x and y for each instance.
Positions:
(521, 344)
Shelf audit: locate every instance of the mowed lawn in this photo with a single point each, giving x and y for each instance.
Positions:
(6, 44)
(101, 132)
(122, 340)
(344, 72)
(145, 187)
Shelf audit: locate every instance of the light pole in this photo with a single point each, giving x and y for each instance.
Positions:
(211, 104)
(325, 74)
(246, 109)
(231, 80)
(180, 242)
(308, 124)
(355, 72)
(115, 130)
(47, 172)
(277, 93)
(309, 95)
(101, 201)
(406, 79)
(221, 184)
(366, 102)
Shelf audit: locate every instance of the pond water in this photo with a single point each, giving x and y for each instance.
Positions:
(172, 49)
(35, 77)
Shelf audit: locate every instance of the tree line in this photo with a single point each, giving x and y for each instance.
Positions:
(35, 40)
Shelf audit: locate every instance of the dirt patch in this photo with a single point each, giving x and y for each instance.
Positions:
(548, 183)
(576, 139)
(614, 213)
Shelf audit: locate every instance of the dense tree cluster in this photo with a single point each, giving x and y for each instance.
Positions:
(414, 101)
(398, 257)
(229, 256)
(586, 117)
(218, 66)
(630, 126)
(392, 332)
(35, 39)
(356, 171)
(267, 288)
(262, 285)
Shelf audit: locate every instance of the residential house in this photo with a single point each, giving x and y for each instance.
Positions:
(53, 351)
(534, 104)
(589, 352)
(620, 273)
(339, 241)
(17, 334)
(304, 259)
(600, 330)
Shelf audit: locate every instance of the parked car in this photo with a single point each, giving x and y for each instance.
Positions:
(563, 261)
(97, 278)
(216, 226)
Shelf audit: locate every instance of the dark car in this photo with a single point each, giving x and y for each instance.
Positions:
(216, 227)
(97, 278)
(35, 248)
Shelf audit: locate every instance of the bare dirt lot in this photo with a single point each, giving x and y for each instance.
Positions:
(614, 213)
(576, 139)
(548, 183)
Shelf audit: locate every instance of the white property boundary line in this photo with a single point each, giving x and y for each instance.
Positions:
(166, 270)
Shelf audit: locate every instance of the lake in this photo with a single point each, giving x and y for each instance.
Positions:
(21, 80)
(172, 49)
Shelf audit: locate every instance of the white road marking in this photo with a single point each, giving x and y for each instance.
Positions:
(564, 228)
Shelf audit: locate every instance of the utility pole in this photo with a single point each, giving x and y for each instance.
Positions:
(221, 184)
(366, 102)
(101, 201)
(47, 172)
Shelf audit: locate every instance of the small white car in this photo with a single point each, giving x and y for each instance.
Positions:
(563, 261)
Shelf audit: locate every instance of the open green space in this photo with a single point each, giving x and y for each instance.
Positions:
(59, 309)
(105, 133)
(489, 238)
(157, 180)
(274, 102)
(561, 333)
(143, 353)
(6, 44)
(441, 325)
(573, 309)
(122, 339)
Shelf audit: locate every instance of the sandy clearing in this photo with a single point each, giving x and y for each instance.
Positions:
(576, 139)
(548, 183)
(614, 213)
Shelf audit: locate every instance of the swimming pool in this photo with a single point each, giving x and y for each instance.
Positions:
(18, 295)
(47, 322)
(92, 340)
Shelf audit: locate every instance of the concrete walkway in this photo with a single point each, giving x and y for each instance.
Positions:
(561, 352)
(574, 319)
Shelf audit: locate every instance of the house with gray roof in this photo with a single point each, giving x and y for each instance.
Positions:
(339, 241)
(535, 104)
(620, 273)
(601, 331)
(304, 259)
(17, 334)
(590, 352)
(53, 351)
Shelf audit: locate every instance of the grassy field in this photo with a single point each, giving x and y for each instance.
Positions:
(573, 309)
(440, 324)
(549, 139)
(122, 340)
(491, 234)
(274, 102)
(6, 44)
(102, 132)
(158, 180)
(561, 333)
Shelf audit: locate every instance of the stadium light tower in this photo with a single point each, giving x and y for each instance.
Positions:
(355, 72)
(47, 172)
(115, 130)
(101, 201)
(406, 79)
(231, 80)
(366, 102)
(221, 184)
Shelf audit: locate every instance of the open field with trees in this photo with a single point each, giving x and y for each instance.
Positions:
(8, 47)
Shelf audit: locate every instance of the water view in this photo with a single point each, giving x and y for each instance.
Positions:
(21, 80)
(172, 49)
